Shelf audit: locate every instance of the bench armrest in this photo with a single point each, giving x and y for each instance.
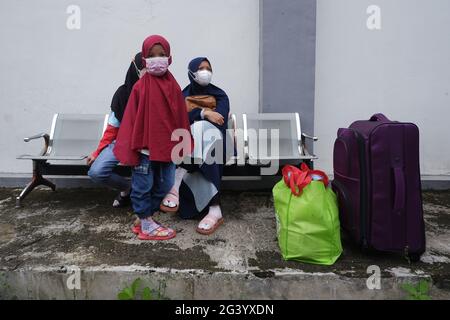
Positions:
(37, 136)
(303, 145)
(307, 136)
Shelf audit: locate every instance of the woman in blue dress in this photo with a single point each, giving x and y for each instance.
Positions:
(197, 187)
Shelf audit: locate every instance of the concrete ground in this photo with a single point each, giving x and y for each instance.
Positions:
(54, 235)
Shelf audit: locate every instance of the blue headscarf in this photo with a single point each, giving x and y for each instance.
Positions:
(195, 89)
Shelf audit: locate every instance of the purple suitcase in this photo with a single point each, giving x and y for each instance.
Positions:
(377, 180)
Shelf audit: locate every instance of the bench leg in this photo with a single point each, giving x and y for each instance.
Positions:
(36, 180)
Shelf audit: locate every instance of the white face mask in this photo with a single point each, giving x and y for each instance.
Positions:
(202, 77)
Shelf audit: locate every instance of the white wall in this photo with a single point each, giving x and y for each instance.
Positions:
(46, 68)
(402, 70)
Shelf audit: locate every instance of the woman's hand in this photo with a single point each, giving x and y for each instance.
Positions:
(213, 116)
(90, 159)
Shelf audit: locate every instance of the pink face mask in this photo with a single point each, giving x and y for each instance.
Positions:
(157, 66)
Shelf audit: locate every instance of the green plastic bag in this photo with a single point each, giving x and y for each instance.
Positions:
(307, 223)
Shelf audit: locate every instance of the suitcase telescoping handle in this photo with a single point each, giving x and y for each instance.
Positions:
(379, 117)
(399, 197)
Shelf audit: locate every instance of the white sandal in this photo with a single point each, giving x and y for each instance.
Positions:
(170, 198)
(211, 225)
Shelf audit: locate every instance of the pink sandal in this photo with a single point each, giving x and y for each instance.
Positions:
(136, 229)
(210, 222)
(154, 234)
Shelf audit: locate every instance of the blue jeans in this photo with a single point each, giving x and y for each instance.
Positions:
(150, 182)
(101, 170)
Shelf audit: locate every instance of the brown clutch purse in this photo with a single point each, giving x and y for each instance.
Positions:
(203, 101)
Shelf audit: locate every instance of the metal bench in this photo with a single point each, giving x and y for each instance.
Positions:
(253, 148)
(73, 137)
(288, 146)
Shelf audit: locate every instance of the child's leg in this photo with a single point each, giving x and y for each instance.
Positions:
(141, 186)
(164, 181)
(144, 180)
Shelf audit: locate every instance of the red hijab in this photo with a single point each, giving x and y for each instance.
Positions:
(155, 109)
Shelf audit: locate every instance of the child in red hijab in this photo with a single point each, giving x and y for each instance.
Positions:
(155, 109)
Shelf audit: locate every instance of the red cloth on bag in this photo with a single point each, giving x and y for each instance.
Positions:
(298, 178)
(155, 109)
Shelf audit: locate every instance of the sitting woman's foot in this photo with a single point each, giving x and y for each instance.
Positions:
(211, 221)
(170, 202)
(152, 230)
(122, 200)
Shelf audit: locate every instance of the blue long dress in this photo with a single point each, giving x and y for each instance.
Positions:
(200, 187)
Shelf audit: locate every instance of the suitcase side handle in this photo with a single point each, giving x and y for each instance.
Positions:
(379, 117)
(399, 181)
